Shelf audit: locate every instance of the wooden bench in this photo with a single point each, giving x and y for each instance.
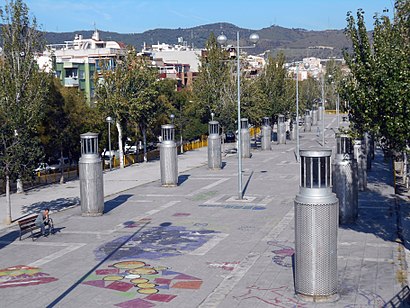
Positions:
(27, 225)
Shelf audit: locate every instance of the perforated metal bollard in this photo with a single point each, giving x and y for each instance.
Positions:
(293, 131)
(168, 157)
(314, 115)
(281, 129)
(266, 140)
(345, 184)
(245, 139)
(320, 112)
(91, 176)
(308, 121)
(316, 223)
(214, 146)
(361, 158)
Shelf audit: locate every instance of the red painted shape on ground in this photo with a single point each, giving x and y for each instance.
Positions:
(26, 282)
(135, 303)
(95, 283)
(162, 281)
(120, 286)
(181, 214)
(186, 277)
(187, 284)
(165, 298)
(108, 271)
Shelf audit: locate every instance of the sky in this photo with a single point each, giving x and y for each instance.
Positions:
(136, 16)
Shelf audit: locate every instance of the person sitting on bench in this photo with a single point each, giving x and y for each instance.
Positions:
(42, 220)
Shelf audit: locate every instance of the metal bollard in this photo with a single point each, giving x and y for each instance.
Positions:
(168, 157)
(214, 146)
(293, 130)
(281, 129)
(316, 224)
(266, 141)
(368, 147)
(320, 112)
(91, 176)
(245, 139)
(360, 156)
(314, 115)
(308, 121)
(345, 184)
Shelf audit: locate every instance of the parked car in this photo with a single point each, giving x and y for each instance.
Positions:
(62, 163)
(230, 137)
(43, 168)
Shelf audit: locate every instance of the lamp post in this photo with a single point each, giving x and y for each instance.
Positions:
(306, 65)
(297, 114)
(109, 121)
(323, 110)
(254, 38)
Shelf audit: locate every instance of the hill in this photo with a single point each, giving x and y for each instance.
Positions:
(296, 43)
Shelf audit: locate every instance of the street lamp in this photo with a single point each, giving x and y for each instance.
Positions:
(222, 39)
(172, 117)
(306, 65)
(323, 110)
(109, 121)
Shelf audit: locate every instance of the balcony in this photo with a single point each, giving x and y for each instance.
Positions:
(71, 82)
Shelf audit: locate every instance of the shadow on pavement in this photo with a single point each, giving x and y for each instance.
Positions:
(78, 282)
(8, 238)
(378, 212)
(401, 299)
(54, 205)
(182, 178)
(116, 202)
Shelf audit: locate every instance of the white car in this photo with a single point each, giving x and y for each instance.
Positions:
(43, 168)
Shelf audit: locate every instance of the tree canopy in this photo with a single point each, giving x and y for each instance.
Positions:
(378, 88)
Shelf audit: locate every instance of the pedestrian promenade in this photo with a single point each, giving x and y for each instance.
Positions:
(197, 245)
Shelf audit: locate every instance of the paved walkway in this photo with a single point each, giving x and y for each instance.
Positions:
(196, 245)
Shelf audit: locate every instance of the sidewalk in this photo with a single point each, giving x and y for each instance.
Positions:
(58, 197)
(196, 245)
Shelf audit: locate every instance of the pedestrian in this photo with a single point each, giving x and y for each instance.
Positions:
(42, 220)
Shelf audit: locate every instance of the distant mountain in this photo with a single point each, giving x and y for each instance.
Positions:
(296, 43)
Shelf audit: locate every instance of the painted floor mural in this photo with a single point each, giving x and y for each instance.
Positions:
(141, 283)
(155, 243)
(23, 276)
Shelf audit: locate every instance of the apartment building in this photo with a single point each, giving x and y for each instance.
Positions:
(79, 62)
(180, 62)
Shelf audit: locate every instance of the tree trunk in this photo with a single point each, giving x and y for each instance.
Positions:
(20, 187)
(61, 166)
(144, 141)
(120, 147)
(8, 201)
(405, 168)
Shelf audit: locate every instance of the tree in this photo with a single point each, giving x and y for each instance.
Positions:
(277, 87)
(378, 88)
(143, 90)
(214, 90)
(112, 98)
(359, 89)
(21, 95)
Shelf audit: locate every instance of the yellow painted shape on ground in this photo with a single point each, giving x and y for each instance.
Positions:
(113, 278)
(143, 271)
(129, 264)
(147, 291)
(139, 280)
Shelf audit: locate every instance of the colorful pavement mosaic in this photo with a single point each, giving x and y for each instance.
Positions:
(144, 284)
